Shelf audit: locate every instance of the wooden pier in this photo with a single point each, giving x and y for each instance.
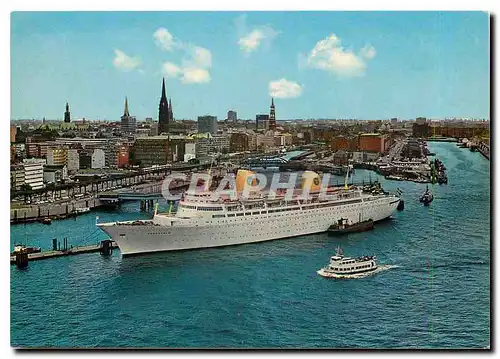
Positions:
(69, 252)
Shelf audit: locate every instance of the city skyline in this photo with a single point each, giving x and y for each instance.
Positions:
(321, 65)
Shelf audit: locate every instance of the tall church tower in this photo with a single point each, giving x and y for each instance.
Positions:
(67, 115)
(163, 111)
(170, 111)
(272, 116)
(128, 124)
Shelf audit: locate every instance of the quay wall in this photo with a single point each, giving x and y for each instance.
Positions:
(53, 209)
(484, 149)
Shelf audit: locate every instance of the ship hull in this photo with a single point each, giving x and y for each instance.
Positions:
(140, 239)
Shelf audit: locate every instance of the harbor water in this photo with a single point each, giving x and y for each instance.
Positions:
(268, 295)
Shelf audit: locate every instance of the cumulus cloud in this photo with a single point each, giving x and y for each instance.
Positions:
(187, 75)
(250, 40)
(329, 55)
(368, 52)
(201, 57)
(195, 76)
(124, 62)
(195, 65)
(171, 70)
(164, 39)
(284, 89)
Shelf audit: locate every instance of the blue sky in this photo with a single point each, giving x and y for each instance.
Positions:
(367, 65)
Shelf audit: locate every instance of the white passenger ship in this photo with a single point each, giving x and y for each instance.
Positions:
(201, 222)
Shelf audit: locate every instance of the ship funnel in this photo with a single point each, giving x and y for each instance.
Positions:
(311, 181)
(242, 177)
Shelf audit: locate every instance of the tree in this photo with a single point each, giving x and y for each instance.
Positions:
(26, 187)
(51, 186)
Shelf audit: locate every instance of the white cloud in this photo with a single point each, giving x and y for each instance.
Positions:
(195, 66)
(164, 39)
(124, 62)
(329, 55)
(368, 52)
(171, 70)
(187, 75)
(284, 89)
(252, 40)
(201, 57)
(195, 76)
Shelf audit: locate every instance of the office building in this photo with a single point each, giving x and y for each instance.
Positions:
(98, 159)
(232, 117)
(33, 172)
(262, 122)
(207, 124)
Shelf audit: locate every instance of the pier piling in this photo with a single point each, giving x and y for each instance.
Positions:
(106, 247)
(21, 259)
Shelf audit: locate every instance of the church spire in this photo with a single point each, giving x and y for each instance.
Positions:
(67, 115)
(170, 111)
(163, 92)
(125, 112)
(163, 111)
(272, 116)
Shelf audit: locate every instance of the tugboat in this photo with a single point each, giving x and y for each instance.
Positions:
(427, 197)
(343, 226)
(347, 267)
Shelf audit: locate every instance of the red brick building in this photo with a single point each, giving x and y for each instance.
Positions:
(123, 156)
(344, 143)
(373, 142)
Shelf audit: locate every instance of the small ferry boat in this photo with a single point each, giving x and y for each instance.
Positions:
(81, 210)
(427, 197)
(343, 226)
(22, 248)
(347, 267)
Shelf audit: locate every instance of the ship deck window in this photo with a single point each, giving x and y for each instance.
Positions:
(210, 208)
(218, 216)
(231, 215)
(188, 206)
(239, 214)
(256, 212)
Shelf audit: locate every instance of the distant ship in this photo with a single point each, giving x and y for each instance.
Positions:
(427, 197)
(201, 222)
